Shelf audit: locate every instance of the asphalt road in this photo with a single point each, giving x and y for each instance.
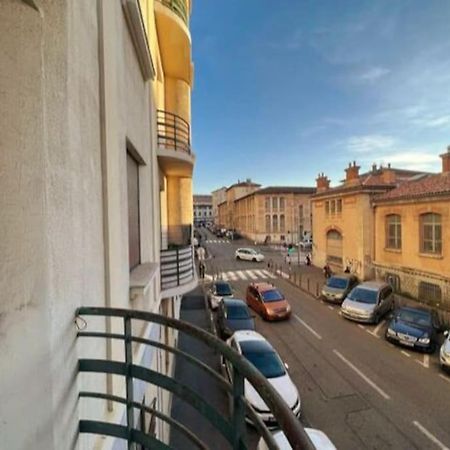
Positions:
(363, 392)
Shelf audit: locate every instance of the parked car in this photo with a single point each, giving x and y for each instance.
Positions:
(337, 287)
(319, 439)
(263, 356)
(368, 302)
(268, 301)
(444, 354)
(306, 244)
(413, 327)
(219, 290)
(249, 254)
(233, 315)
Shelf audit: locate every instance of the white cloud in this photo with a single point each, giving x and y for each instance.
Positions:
(372, 74)
(372, 143)
(433, 121)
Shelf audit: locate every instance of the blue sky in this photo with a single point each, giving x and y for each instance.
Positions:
(289, 88)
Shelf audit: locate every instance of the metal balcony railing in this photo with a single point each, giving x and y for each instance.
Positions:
(232, 428)
(174, 133)
(179, 7)
(177, 267)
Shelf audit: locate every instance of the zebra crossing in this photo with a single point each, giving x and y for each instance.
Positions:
(246, 275)
(217, 241)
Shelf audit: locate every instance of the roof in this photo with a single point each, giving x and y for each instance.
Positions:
(372, 285)
(419, 309)
(234, 302)
(286, 190)
(243, 184)
(254, 345)
(247, 335)
(261, 287)
(363, 188)
(429, 186)
(202, 199)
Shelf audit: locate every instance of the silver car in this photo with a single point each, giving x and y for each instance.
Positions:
(368, 302)
(444, 354)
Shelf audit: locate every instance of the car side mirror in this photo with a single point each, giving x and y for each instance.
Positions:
(286, 366)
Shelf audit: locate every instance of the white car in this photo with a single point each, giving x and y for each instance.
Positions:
(218, 291)
(320, 440)
(263, 356)
(444, 354)
(249, 254)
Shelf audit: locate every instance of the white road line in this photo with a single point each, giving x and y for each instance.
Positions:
(447, 379)
(377, 329)
(364, 377)
(241, 274)
(426, 361)
(361, 326)
(331, 307)
(373, 334)
(311, 330)
(260, 274)
(269, 275)
(232, 276)
(430, 436)
(405, 353)
(251, 274)
(223, 276)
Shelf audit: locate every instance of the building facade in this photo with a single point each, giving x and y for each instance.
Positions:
(343, 218)
(96, 202)
(274, 214)
(203, 210)
(412, 237)
(218, 197)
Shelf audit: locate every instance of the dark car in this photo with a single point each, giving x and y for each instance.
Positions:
(414, 328)
(337, 287)
(233, 315)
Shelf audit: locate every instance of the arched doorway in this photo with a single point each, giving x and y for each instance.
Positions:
(334, 248)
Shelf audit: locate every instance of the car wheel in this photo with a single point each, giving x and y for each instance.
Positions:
(254, 260)
(238, 257)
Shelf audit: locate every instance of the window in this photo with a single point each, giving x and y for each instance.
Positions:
(393, 231)
(282, 223)
(267, 224)
(430, 233)
(339, 206)
(327, 207)
(282, 203)
(333, 206)
(429, 292)
(300, 213)
(274, 203)
(134, 239)
(275, 223)
(267, 201)
(393, 280)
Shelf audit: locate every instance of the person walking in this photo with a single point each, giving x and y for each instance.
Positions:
(201, 270)
(327, 271)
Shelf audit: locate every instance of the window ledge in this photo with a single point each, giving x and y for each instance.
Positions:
(141, 277)
(431, 255)
(392, 250)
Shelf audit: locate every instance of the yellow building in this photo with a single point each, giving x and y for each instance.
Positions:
(412, 237)
(343, 218)
(274, 214)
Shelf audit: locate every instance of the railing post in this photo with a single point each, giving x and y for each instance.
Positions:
(238, 420)
(178, 266)
(129, 379)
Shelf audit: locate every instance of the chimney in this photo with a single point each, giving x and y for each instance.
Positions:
(352, 174)
(446, 161)
(389, 175)
(323, 183)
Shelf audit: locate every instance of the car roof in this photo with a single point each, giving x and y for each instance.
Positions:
(234, 302)
(248, 335)
(221, 283)
(343, 275)
(254, 345)
(418, 309)
(245, 248)
(262, 287)
(372, 285)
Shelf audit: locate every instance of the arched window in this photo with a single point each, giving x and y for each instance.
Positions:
(430, 233)
(267, 224)
(282, 223)
(393, 231)
(275, 223)
(334, 247)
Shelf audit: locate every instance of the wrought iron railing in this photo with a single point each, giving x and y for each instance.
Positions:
(233, 428)
(177, 267)
(174, 133)
(179, 7)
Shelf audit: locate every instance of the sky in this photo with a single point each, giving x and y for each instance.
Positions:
(286, 89)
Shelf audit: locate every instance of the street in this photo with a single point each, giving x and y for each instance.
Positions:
(356, 387)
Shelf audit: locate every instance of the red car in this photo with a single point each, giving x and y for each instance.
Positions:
(268, 301)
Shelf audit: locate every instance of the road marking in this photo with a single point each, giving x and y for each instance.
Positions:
(251, 275)
(232, 276)
(426, 361)
(362, 375)
(259, 273)
(311, 330)
(331, 307)
(430, 436)
(447, 379)
(241, 274)
(405, 353)
(373, 334)
(270, 275)
(377, 329)
(361, 326)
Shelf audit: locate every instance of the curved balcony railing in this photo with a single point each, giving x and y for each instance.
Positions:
(232, 428)
(179, 7)
(177, 267)
(174, 133)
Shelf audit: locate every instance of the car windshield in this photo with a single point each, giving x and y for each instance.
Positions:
(362, 295)
(223, 289)
(253, 252)
(264, 359)
(415, 317)
(273, 295)
(337, 283)
(236, 312)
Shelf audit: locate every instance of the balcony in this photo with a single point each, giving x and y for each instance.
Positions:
(174, 144)
(177, 271)
(179, 7)
(137, 377)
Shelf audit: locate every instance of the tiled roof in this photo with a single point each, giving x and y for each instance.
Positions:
(431, 185)
(287, 190)
(202, 199)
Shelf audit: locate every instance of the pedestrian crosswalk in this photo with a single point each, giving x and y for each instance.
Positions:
(217, 241)
(250, 275)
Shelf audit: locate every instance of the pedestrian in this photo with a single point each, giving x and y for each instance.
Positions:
(201, 253)
(201, 269)
(308, 259)
(327, 270)
(347, 269)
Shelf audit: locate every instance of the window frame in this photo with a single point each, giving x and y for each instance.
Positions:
(393, 222)
(433, 226)
(134, 248)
